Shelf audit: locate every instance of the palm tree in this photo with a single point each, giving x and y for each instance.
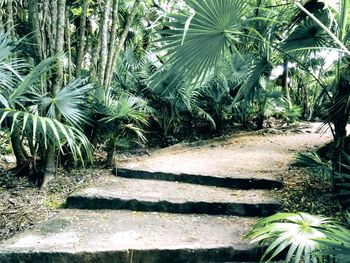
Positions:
(32, 114)
(244, 32)
(196, 42)
(315, 30)
(120, 117)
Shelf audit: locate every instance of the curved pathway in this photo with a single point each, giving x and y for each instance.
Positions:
(186, 203)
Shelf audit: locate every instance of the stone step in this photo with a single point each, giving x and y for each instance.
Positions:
(85, 236)
(232, 180)
(173, 197)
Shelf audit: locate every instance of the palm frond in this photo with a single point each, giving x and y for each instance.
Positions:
(49, 132)
(313, 161)
(262, 67)
(306, 35)
(206, 116)
(9, 68)
(69, 102)
(4, 101)
(195, 50)
(336, 243)
(136, 130)
(240, 67)
(295, 232)
(32, 78)
(127, 107)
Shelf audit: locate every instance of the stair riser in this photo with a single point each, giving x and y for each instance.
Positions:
(234, 183)
(138, 256)
(237, 209)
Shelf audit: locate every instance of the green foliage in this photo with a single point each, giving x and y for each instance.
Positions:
(315, 164)
(5, 145)
(291, 113)
(23, 105)
(120, 116)
(269, 99)
(55, 202)
(195, 44)
(211, 65)
(216, 101)
(305, 238)
(77, 11)
(307, 35)
(295, 232)
(43, 130)
(343, 183)
(68, 103)
(336, 242)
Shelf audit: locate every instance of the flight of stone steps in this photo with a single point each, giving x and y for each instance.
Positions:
(187, 203)
(162, 217)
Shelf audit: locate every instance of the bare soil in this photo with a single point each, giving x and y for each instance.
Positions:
(22, 205)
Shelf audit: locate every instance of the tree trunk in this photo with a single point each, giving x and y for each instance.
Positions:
(260, 120)
(10, 24)
(340, 114)
(50, 166)
(53, 27)
(110, 156)
(95, 51)
(61, 21)
(33, 19)
(285, 84)
(45, 29)
(112, 42)
(104, 42)
(59, 45)
(122, 39)
(1, 18)
(81, 40)
(110, 161)
(68, 44)
(51, 156)
(22, 163)
(94, 54)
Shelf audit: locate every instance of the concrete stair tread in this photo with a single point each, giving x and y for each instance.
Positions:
(228, 173)
(151, 190)
(162, 196)
(95, 236)
(246, 155)
(231, 179)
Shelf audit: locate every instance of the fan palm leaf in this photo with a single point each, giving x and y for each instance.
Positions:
(307, 34)
(9, 68)
(314, 162)
(123, 113)
(295, 232)
(50, 131)
(195, 45)
(19, 93)
(68, 102)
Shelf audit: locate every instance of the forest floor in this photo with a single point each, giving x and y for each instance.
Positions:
(22, 205)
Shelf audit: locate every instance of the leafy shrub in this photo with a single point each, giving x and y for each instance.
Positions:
(291, 113)
(315, 164)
